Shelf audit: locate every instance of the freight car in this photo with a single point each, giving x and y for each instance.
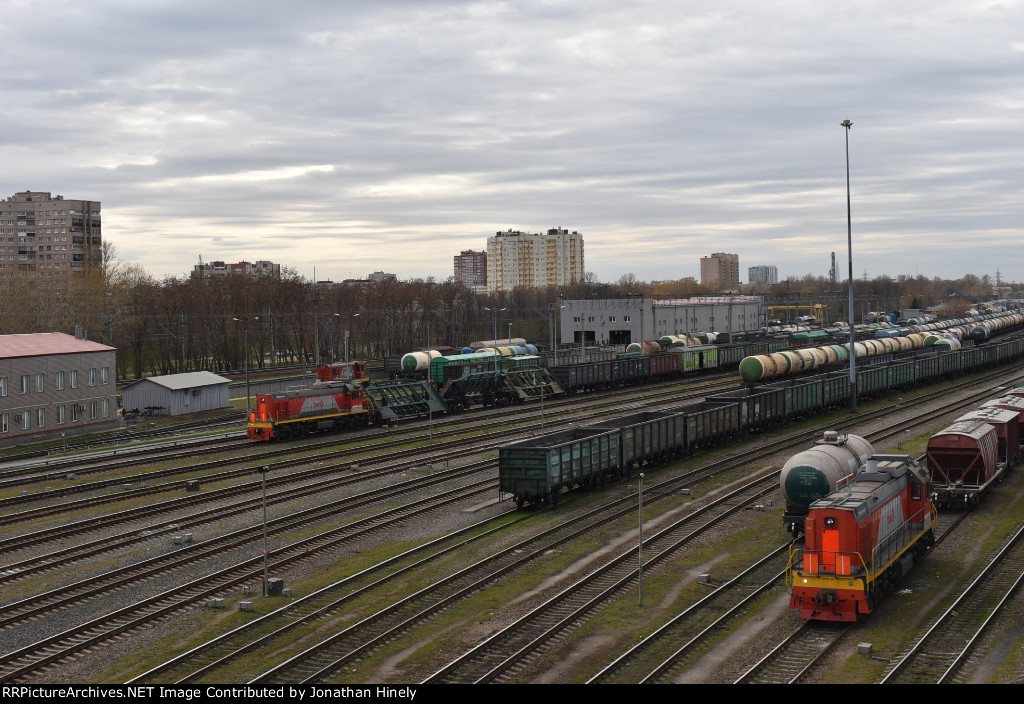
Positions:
(561, 462)
(767, 367)
(861, 539)
(969, 457)
(809, 475)
(962, 461)
(538, 470)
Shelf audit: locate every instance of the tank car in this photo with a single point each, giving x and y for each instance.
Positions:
(814, 473)
(861, 539)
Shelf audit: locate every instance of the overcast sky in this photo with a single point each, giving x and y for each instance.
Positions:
(389, 135)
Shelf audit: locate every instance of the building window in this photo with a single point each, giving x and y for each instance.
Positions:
(74, 378)
(625, 318)
(59, 380)
(40, 417)
(106, 408)
(74, 412)
(5, 420)
(92, 377)
(61, 414)
(92, 409)
(3, 386)
(104, 375)
(24, 383)
(40, 382)
(26, 420)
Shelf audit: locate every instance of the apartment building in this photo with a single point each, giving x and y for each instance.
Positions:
(721, 270)
(49, 237)
(471, 270)
(516, 258)
(258, 268)
(763, 274)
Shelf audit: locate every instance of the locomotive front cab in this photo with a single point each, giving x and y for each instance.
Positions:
(261, 425)
(828, 576)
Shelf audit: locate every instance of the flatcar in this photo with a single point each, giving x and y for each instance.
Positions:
(861, 539)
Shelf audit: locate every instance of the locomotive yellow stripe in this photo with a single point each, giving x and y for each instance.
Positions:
(818, 582)
(271, 424)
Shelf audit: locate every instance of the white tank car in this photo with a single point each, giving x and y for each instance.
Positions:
(813, 473)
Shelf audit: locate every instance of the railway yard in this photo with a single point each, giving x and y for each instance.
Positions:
(401, 562)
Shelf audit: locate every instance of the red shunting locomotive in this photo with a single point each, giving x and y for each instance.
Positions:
(861, 539)
(336, 401)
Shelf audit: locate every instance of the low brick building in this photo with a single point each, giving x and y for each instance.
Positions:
(52, 383)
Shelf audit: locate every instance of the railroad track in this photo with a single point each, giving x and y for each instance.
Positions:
(514, 649)
(33, 658)
(811, 433)
(128, 459)
(938, 655)
(89, 588)
(694, 625)
(451, 449)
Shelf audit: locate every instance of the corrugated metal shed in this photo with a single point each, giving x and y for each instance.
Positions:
(177, 394)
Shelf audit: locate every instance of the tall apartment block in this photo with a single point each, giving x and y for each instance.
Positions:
(517, 258)
(471, 270)
(763, 274)
(48, 237)
(259, 268)
(720, 269)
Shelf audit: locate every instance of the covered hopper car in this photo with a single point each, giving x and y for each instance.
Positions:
(963, 461)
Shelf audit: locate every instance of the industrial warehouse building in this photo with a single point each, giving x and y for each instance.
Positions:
(177, 394)
(52, 385)
(620, 321)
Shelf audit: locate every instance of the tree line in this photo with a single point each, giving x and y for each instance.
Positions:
(181, 324)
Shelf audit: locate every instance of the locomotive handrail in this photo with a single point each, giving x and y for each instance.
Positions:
(907, 528)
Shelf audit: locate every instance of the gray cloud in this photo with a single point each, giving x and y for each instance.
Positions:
(358, 136)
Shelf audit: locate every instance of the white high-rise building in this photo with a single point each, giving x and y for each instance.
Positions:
(528, 259)
(763, 274)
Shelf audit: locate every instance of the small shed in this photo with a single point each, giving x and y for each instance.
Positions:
(177, 394)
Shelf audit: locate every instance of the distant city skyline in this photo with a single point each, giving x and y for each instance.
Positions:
(388, 136)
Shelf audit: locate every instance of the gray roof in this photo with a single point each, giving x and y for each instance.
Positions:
(190, 380)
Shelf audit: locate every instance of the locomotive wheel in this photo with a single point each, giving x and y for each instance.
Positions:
(519, 502)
